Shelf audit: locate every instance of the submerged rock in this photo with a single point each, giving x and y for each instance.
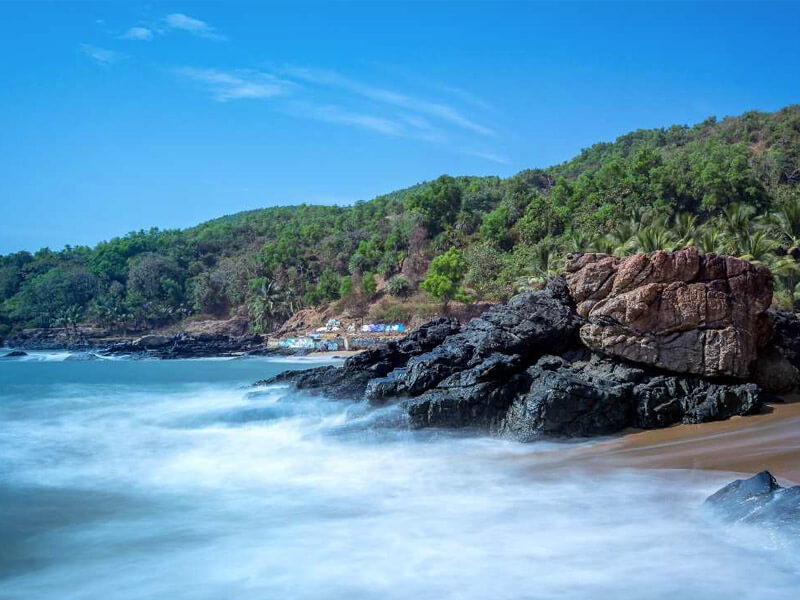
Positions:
(679, 311)
(14, 354)
(759, 500)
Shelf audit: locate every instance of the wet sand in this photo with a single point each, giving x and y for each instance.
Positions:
(745, 445)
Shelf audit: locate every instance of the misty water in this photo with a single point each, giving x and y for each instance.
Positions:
(175, 480)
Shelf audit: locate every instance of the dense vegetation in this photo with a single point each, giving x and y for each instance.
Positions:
(729, 186)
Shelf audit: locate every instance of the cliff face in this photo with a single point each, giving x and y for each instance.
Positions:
(645, 341)
(678, 311)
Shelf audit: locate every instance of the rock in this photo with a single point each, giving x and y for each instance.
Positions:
(14, 354)
(759, 500)
(777, 369)
(184, 345)
(775, 373)
(566, 399)
(476, 397)
(81, 357)
(531, 324)
(786, 334)
(350, 380)
(520, 369)
(148, 342)
(596, 395)
(678, 311)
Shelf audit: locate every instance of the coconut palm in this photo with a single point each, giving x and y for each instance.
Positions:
(685, 230)
(756, 246)
(651, 238)
(711, 240)
(787, 271)
(268, 303)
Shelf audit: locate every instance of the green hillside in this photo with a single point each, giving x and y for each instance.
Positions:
(729, 186)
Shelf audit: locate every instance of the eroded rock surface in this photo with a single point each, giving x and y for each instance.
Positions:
(594, 395)
(678, 311)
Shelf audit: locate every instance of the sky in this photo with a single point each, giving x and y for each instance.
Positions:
(120, 116)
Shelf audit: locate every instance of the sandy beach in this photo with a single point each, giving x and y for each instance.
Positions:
(746, 445)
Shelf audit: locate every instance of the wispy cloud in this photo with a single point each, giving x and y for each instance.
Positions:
(138, 33)
(333, 113)
(237, 85)
(192, 25)
(101, 56)
(433, 109)
(329, 97)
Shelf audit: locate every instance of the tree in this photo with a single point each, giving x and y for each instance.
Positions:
(268, 304)
(438, 203)
(399, 286)
(443, 280)
(368, 285)
(485, 262)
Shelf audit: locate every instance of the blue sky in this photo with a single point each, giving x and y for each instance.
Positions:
(121, 116)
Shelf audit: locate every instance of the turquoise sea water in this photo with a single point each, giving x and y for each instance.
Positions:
(175, 480)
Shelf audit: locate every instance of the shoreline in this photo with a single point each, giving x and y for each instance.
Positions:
(769, 441)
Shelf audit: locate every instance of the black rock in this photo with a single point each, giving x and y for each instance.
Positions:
(595, 395)
(350, 380)
(566, 399)
(476, 397)
(759, 500)
(14, 354)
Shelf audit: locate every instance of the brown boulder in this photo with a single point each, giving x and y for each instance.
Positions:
(680, 311)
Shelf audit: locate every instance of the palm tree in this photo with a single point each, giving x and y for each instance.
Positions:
(711, 240)
(651, 238)
(619, 238)
(268, 303)
(786, 225)
(684, 228)
(756, 246)
(787, 270)
(580, 241)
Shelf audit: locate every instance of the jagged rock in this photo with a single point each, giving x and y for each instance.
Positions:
(350, 380)
(786, 334)
(531, 324)
(597, 395)
(679, 311)
(566, 399)
(184, 345)
(148, 342)
(759, 500)
(475, 397)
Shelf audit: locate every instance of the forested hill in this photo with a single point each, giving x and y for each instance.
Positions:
(728, 186)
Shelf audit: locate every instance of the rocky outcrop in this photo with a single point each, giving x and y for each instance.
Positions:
(183, 345)
(594, 395)
(646, 341)
(759, 500)
(777, 369)
(351, 379)
(678, 311)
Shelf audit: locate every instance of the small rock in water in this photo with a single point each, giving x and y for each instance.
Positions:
(81, 357)
(15, 354)
(759, 500)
